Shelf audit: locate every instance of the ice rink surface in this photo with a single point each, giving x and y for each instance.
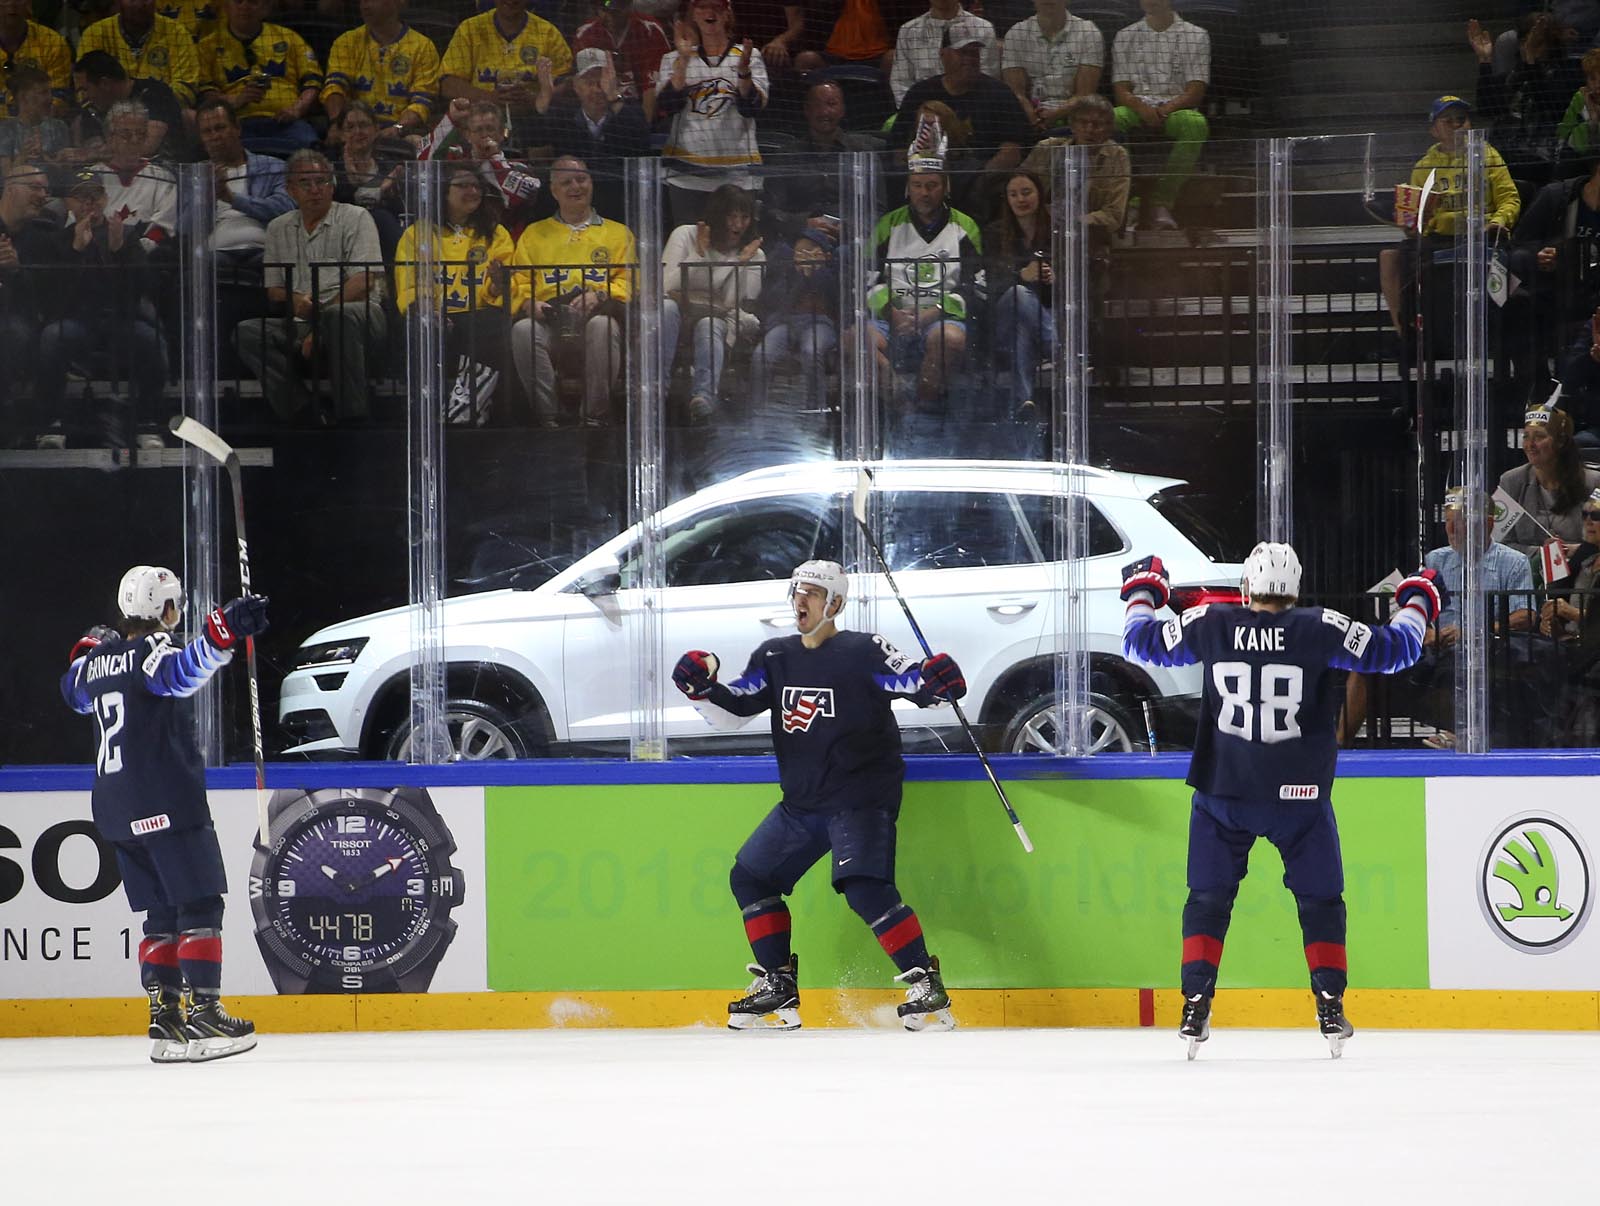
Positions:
(827, 1117)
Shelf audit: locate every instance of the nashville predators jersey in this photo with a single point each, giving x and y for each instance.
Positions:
(165, 54)
(400, 77)
(554, 259)
(483, 57)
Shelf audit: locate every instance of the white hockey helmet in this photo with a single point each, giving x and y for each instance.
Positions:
(828, 576)
(1271, 569)
(145, 591)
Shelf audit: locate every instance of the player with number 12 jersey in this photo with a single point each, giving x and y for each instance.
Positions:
(1265, 749)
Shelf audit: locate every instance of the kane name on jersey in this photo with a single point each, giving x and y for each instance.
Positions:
(803, 705)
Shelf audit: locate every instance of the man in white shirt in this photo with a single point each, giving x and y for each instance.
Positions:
(1160, 68)
(916, 49)
(1050, 58)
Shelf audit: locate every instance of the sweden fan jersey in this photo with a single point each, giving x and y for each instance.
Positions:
(278, 55)
(166, 54)
(400, 77)
(459, 257)
(555, 259)
(481, 56)
(199, 17)
(45, 49)
(1270, 704)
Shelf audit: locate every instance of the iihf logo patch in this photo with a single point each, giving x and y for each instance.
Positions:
(802, 705)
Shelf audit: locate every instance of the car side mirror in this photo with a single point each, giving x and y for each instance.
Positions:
(602, 580)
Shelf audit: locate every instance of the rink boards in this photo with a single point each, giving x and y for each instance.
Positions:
(595, 894)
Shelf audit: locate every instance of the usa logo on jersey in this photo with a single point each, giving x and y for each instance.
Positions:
(802, 706)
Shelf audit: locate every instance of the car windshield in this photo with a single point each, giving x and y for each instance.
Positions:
(752, 541)
(1186, 510)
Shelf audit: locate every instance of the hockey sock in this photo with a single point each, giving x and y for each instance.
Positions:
(766, 918)
(200, 957)
(893, 922)
(158, 957)
(1322, 924)
(1205, 925)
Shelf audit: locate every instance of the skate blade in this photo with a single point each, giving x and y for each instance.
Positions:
(778, 1019)
(1336, 1044)
(169, 1051)
(1194, 1045)
(204, 1050)
(939, 1019)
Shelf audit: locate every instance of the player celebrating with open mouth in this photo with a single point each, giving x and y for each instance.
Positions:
(841, 769)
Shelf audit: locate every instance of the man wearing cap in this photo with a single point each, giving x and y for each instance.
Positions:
(1160, 68)
(636, 44)
(998, 122)
(1449, 119)
(918, 47)
(595, 123)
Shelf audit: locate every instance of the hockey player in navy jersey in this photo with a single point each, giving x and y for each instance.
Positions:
(1264, 752)
(150, 800)
(840, 767)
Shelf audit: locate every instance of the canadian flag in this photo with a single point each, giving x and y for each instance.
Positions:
(1554, 560)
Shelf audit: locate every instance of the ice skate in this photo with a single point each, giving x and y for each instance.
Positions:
(927, 1005)
(1196, 1024)
(214, 1033)
(1335, 1027)
(772, 1001)
(169, 1042)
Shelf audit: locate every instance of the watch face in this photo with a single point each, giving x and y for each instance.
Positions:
(356, 888)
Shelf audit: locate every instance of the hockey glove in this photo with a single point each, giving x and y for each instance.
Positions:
(1146, 577)
(695, 672)
(244, 617)
(98, 635)
(943, 677)
(1427, 590)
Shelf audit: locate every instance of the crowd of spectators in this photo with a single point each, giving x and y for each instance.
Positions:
(309, 114)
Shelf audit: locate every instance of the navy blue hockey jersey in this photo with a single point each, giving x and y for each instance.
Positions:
(1270, 705)
(148, 775)
(836, 739)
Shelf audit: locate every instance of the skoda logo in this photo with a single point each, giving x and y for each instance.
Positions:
(1536, 883)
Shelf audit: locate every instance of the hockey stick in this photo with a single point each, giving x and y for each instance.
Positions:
(214, 446)
(863, 485)
(1422, 396)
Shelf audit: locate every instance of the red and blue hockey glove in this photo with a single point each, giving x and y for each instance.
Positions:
(695, 672)
(244, 617)
(1427, 590)
(98, 635)
(1146, 577)
(943, 677)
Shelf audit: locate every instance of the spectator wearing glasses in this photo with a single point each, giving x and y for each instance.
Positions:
(140, 193)
(32, 134)
(1160, 68)
(470, 252)
(324, 283)
(266, 72)
(24, 235)
(148, 47)
(370, 174)
(571, 291)
(1569, 616)
(102, 82)
(26, 43)
(475, 130)
(388, 66)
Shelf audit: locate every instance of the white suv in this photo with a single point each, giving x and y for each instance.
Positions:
(532, 672)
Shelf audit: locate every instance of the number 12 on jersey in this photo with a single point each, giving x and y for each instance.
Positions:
(1267, 709)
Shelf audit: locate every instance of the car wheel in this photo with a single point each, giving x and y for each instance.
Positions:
(478, 731)
(1034, 729)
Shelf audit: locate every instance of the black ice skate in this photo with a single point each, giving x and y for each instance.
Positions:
(1196, 1024)
(927, 1005)
(772, 1002)
(1335, 1027)
(214, 1033)
(169, 1042)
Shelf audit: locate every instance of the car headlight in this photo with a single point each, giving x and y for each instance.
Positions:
(330, 653)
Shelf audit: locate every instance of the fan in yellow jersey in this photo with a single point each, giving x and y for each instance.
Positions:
(25, 43)
(495, 57)
(148, 46)
(573, 277)
(470, 252)
(387, 64)
(199, 17)
(1449, 119)
(267, 72)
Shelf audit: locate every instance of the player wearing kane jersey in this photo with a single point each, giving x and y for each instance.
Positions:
(1264, 752)
(840, 768)
(149, 800)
